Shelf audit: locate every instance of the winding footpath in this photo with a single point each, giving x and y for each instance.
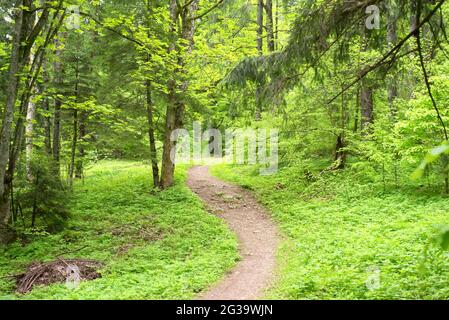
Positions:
(258, 237)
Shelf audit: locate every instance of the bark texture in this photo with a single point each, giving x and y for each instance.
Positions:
(182, 28)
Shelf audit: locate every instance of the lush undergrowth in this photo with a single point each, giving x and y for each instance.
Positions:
(349, 239)
(154, 245)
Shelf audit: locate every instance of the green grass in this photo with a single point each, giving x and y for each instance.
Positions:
(154, 245)
(337, 228)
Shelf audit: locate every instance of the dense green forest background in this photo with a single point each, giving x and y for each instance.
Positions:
(357, 89)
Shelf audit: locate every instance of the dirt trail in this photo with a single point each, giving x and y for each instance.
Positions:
(258, 237)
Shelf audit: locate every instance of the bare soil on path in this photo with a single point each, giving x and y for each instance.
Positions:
(257, 234)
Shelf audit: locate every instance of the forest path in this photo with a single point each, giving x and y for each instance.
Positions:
(257, 235)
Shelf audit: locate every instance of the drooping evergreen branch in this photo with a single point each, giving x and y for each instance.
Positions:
(101, 24)
(425, 73)
(392, 53)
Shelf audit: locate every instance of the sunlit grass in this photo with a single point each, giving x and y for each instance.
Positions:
(154, 245)
(338, 228)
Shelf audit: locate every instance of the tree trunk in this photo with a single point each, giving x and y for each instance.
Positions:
(260, 7)
(29, 126)
(150, 106)
(168, 166)
(34, 212)
(392, 39)
(47, 126)
(270, 25)
(366, 97)
(6, 235)
(151, 136)
(57, 112)
(8, 117)
(75, 127)
(357, 110)
(25, 34)
(29, 131)
(57, 135)
(260, 27)
(276, 28)
(79, 167)
(73, 149)
(46, 120)
(340, 154)
(367, 106)
(35, 64)
(175, 108)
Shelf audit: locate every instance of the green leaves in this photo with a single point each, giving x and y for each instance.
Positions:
(431, 157)
(443, 239)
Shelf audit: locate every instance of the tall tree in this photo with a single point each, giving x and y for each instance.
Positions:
(26, 32)
(182, 30)
(150, 109)
(8, 117)
(392, 39)
(260, 28)
(366, 91)
(58, 70)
